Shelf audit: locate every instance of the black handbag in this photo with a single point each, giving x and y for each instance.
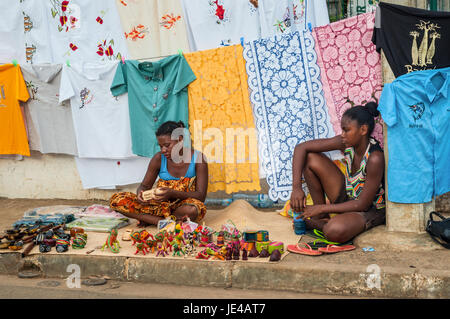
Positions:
(439, 230)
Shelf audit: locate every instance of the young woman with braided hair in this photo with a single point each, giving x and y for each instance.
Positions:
(182, 183)
(356, 197)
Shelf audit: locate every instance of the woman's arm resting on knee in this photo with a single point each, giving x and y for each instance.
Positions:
(298, 199)
(375, 170)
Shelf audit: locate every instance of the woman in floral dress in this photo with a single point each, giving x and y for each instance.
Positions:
(182, 183)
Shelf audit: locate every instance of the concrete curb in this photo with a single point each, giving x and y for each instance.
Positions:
(329, 278)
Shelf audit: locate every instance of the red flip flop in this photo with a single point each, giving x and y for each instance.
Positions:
(331, 249)
(307, 250)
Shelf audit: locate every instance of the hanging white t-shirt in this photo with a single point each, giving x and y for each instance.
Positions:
(215, 23)
(101, 121)
(108, 173)
(276, 16)
(84, 30)
(153, 28)
(12, 42)
(49, 124)
(36, 32)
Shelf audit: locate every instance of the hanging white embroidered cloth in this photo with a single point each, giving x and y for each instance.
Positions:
(287, 100)
(12, 35)
(83, 30)
(153, 28)
(216, 23)
(283, 16)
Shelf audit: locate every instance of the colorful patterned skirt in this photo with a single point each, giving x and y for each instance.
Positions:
(126, 202)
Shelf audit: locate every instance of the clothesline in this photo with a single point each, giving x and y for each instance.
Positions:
(156, 57)
(140, 59)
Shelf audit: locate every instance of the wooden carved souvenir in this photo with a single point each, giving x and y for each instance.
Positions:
(152, 193)
(264, 253)
(253, 252)
(244, 254)
(275, 256)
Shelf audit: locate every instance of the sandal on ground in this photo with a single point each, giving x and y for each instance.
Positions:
(319, 242)
(320, 237)
(126, 235)
(331, 249)
(316, 244)
(305, 250)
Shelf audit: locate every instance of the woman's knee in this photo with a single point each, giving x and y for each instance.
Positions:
(336, 232)
(311, 158)
(186, 210)
(315, 161)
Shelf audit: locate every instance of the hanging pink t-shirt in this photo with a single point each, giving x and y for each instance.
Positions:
(350, 67)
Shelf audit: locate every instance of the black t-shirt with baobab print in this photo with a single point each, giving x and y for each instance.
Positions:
(412, 39)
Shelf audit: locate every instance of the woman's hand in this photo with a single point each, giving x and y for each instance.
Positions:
(311, 211)
(298, 200)
(164, 194)
(141, 200)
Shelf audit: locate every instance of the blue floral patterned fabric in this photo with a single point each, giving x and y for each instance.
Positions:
(287, 100)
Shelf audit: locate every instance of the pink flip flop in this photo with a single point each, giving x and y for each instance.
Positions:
(331, 249)
(306, 250)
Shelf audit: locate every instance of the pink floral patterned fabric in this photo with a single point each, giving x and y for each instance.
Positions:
(350, 67)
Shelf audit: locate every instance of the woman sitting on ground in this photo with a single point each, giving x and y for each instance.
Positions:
(182, 184)
(356, 197)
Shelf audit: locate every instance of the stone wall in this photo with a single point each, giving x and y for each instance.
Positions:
(443, 203)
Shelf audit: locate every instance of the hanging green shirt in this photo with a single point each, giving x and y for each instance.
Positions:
(157, 93)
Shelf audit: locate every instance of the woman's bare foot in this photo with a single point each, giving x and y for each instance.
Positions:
(142, 224)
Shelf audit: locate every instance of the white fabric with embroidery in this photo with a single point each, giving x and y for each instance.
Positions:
(216, 23)
(12, 37)
(77, 30)
(276, 16)
(101, 121)
(153, 28)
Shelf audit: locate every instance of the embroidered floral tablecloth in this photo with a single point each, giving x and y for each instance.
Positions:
(350, 67)
(287, 101)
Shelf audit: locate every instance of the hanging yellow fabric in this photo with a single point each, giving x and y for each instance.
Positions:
(221, 120)
(13, 134)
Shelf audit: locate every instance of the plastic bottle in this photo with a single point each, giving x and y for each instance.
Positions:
(279, 204)
(299, 224)
(218, 201)
(258, 201)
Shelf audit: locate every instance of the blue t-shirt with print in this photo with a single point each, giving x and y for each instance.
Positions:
(416, 110)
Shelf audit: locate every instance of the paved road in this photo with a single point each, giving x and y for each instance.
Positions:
(12, 287)
(172, 301)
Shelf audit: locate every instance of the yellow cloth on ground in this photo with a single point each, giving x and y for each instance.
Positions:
(221, 121)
